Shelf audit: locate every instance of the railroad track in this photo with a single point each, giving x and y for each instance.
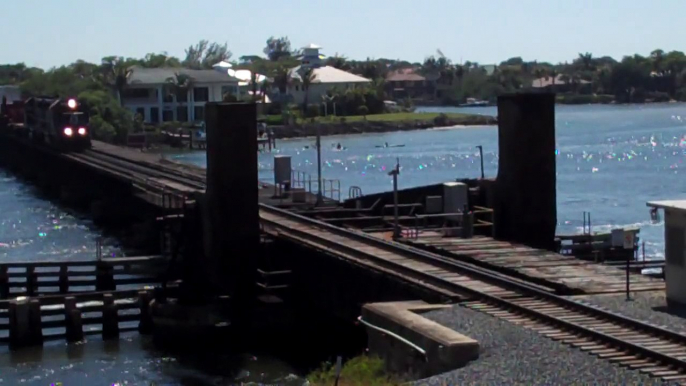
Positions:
(134, 171)
(628, 342)
(650, 349)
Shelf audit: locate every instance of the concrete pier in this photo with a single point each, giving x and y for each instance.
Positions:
(525, 198)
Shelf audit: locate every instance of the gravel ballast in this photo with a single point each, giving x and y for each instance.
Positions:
(513, 355)
(646, 306)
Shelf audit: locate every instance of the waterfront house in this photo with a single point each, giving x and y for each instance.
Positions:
(150, 93)
(325, 77)
(559, 83)
(407, 83)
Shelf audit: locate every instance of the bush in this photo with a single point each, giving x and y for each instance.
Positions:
(362, 110)
(441, 120)
(358, 371)
(312, 111)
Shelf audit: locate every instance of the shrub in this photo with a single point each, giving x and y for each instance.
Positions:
(362, 110)
(312, 111)
(441, 120)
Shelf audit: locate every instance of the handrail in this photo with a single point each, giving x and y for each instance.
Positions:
(394, 335)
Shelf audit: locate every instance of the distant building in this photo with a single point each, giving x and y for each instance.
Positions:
(150, 94)
(558, 83)
(489, 68)
(325, 77)
(407, 83)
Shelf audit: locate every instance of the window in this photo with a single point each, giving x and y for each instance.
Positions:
(167, 95)
(201, 94)
(297, 88)
(181, 96)
(154, 114)
(199, 112)
(167, 115)
(133, 93)
(182, 114)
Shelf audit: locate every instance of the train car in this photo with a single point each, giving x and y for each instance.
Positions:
(11, 114)
(60, 122)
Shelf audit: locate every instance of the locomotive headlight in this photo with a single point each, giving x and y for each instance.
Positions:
(68, 131)
(82, 131)
(71, 103)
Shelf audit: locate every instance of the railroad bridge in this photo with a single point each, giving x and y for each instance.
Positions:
(226, 233)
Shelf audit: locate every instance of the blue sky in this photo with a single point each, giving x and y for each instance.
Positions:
(46, 33)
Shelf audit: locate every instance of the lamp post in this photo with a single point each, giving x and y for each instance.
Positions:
(394, 173)
(319, 167)
(481, 157)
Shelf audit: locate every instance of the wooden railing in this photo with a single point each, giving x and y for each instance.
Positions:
(51, 277)
(31, 321)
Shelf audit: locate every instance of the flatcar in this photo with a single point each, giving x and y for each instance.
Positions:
(59, 122)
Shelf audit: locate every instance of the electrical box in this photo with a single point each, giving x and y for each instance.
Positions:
(675, 248)
(455, 197)
(434, 204)
(282, 169)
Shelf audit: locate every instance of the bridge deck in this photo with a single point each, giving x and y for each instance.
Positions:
(543, 266)
(547, 269)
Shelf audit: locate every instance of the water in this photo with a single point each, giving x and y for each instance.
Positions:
(611, 160)
(35, 229)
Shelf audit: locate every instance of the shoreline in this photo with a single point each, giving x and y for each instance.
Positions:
(370, 127)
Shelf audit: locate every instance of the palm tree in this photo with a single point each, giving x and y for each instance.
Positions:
(181, 84)
(115, 73)
(307, 77)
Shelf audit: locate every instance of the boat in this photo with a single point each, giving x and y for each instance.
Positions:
(473, 102)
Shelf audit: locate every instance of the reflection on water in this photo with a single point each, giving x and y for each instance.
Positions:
(133, 360)
(611, 160)
(35, 229)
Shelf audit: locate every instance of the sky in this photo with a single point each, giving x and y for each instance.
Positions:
(46, 33)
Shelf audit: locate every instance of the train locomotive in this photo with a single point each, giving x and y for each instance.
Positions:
(59, 122)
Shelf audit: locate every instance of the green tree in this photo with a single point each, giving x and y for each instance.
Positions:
(307, 77)
(115, 72)
(181, 84)
(278, 48)
(204, 55)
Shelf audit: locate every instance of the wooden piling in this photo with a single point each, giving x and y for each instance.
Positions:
(110, 318)
(64, 279)
(19, 322)
(31, 280)
(104, 277)
(35, 323)
(4, 283)
(145, 325)
(72, 320)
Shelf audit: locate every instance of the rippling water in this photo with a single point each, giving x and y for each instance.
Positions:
(611, 160)
(35, 229)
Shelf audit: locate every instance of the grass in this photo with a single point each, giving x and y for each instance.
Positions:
(359, 371)
(389, 117)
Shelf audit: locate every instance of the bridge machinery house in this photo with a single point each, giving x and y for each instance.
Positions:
(150, 93)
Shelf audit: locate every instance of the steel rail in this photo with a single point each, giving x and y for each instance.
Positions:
(489, 277)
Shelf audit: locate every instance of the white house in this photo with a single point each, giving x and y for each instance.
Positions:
(325, 77)
(148, 93)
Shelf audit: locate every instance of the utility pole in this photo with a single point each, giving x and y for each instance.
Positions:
(481, 157)
(319, 167)
(394, 173)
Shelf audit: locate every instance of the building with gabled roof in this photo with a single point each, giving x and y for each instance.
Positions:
(148, 93)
